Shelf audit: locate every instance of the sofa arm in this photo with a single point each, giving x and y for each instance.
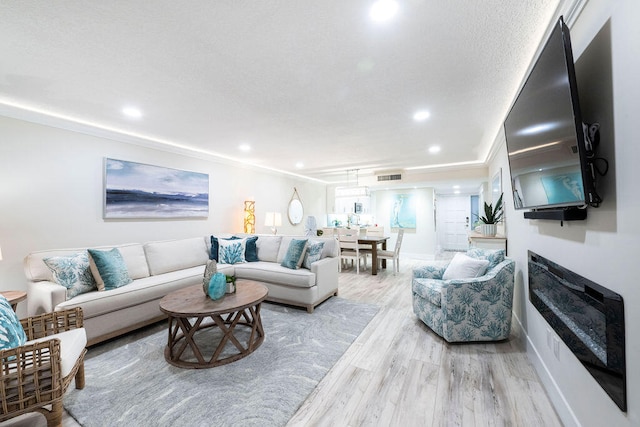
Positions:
(52, 323)
(44, 297)
(434, 270)
(326, 271)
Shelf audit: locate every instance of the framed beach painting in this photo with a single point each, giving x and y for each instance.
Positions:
(403, 211)
(137, 190)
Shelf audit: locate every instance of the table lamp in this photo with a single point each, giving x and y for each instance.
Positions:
(273, 220)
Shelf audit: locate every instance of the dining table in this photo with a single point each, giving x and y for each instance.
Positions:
(374, 241)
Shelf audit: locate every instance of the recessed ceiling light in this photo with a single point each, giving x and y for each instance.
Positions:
(456, 187)
(244, 147)
(434, 149)
(132, 112)
(421, 115)
(383, 10)
(299, 165)
(456, 192)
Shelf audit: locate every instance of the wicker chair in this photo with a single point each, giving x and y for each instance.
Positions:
(37, 374)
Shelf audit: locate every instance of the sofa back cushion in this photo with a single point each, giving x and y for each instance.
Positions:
(330, 248)
(171, 255)
(268, 248)
(135, 260)
(133, 253)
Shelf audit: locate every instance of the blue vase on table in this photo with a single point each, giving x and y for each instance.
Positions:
(217, 286)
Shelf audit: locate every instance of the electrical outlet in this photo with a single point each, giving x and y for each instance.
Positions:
(556, 347)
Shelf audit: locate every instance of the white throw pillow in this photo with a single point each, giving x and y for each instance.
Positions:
(464, 267)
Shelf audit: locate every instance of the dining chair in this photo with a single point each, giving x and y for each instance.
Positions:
(349, 250)
(329, 232)
(393, 255)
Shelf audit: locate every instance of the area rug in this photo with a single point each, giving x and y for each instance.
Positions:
(129, 383)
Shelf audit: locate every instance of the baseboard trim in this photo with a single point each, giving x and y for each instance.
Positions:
(560, 404)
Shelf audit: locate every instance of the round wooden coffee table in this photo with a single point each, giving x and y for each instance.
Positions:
(204, 333)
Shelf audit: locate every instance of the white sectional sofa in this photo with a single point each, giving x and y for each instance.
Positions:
(160, 267)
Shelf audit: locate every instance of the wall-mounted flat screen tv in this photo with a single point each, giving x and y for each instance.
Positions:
(545, 136)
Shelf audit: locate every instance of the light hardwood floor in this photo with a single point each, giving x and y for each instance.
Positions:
(399, 373)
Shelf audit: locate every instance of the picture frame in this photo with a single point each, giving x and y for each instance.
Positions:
(403, 212)
(141, 191)
(496, 185)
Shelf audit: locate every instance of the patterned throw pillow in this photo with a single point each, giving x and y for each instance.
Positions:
(494, 256)
(108, 269)
(464, 267)
(312, 254)
(73, 273)
(231, 251)
(215, 246)
(11, 333)
(250, 252)
(295, 254)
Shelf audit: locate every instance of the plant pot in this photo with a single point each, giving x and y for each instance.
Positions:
(488, 229)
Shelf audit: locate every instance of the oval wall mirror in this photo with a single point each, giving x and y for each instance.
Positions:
(295, 211)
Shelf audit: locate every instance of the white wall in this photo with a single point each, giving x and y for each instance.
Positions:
(418, 243)
(51, 192)
(605, 247)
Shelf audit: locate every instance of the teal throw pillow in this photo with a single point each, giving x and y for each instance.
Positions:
(108, 269)
(312, 254)
(73, 272)
(231, 251)
(295, 253)
(251, 249)
(11, 333)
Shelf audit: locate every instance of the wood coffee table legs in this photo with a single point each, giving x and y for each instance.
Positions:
(186, 348)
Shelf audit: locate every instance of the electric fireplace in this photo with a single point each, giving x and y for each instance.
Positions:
(588, 317)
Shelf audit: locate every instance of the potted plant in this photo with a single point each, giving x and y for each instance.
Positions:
(492, 216)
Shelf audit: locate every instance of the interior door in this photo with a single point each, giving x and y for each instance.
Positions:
(453, 214)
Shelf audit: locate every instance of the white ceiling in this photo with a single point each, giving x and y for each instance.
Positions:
(315, 82)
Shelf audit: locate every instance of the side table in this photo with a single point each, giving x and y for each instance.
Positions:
(14, 297)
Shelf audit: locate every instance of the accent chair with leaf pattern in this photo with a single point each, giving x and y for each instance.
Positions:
(466, 309)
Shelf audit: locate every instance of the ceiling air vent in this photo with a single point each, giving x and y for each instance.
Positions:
(390, 177)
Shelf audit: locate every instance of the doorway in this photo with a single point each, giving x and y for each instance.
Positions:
(453, 221)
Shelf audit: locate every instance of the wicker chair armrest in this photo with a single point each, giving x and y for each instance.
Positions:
(48, 324)
(30, 377)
